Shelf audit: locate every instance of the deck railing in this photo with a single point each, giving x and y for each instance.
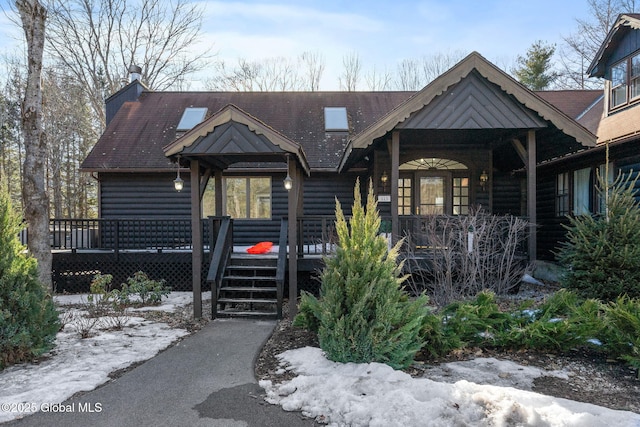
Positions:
(125, 234)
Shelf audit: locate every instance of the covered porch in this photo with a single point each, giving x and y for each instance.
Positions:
(471, 139)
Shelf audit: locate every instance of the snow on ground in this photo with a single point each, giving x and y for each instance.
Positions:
(340, 394)
(374, 394)
(81, 364)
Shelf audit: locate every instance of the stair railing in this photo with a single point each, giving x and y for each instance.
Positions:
(282, 264)
(221, 252)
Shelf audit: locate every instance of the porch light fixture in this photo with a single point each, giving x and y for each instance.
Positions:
(288, 182)
(384, 179)
(178, 183)
(483, 179)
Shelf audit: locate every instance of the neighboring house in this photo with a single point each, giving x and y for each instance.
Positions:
(567, 186)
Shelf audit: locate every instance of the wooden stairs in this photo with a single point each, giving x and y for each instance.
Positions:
(249, 287)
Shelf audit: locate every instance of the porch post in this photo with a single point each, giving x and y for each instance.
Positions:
(217, 178)
(196, 239)
(532, 194)
(294, 193)
(395, 174)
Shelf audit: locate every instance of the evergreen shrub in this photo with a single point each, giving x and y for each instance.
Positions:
(28, 317)
(363, 314)
(602, 252)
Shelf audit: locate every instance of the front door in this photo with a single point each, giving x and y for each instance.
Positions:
(432, 193)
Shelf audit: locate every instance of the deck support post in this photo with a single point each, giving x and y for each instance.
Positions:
(294, 195)
(532, 194)
(395, 174)
(196, 239)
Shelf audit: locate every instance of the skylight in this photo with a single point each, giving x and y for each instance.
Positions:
(335, 119)
(191, 117)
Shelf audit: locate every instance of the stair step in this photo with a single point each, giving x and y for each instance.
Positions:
(245, 278)
(248, 289)
(231, 313)
(247, 300)
(251, 267)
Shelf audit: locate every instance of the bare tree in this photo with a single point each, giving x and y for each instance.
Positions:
(377, 80)
(268, 74)
(581, 47)
(98, 40)
(408, 75)
(351, 72)
(33, 16)
(313, 67)
(436, 64)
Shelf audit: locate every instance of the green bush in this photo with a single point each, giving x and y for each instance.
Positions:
(149, 291)
(602, 253)
(620, 333)
(28, 318)
(363, 314)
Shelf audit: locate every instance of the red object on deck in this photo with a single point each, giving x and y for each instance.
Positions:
(260, 248)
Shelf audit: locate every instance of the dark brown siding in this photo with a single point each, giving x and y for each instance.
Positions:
(140, 195)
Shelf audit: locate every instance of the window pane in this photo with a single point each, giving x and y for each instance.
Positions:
(581, 191)
(209, 199)
(236, 197)
(404, 196)
(635, 76)
(461, 196)
(619, 84)
(260, 197)
(562, 194)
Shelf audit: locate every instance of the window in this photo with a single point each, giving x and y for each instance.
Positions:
(190, 118)
(600, 198)
(581, 191)
(562, 194)
(625, 81)
(635, 76)
(335, 119)
(248, 197)
(460, 196)
(404, 196)
(619, 84)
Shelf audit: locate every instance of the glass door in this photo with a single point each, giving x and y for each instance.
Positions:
(432, 192)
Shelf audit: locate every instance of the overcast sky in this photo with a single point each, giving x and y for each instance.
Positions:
(383, 33)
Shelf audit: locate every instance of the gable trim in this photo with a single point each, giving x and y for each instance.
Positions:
(231, 113)
(473, 61)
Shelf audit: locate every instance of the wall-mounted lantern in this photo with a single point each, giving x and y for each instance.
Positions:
(288, 182)
(483, 179)
(178, 183)
(384, 179)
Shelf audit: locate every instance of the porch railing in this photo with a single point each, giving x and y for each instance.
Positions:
(126, 234)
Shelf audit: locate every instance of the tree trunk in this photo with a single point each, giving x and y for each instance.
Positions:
(35, 198)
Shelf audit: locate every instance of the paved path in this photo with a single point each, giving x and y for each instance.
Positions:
(207, 379)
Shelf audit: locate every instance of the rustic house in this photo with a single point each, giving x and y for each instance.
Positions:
(472, 137)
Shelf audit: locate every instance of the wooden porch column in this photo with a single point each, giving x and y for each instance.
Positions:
(294, 194)
(196, 239)
(531, 194)
(395, 175)
(217, 177)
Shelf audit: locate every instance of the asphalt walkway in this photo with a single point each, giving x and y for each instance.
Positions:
(207, 379)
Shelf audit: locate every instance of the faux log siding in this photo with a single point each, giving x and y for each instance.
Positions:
(507, 196)
(550, 229)
(137, 195)
(321, 190)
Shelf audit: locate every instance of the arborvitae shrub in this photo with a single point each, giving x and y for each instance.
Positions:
(363, 315)
(28, 318)
(602, 252)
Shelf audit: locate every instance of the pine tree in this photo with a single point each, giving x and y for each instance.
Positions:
(602, 253)
(28, 318)
(363, 315)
